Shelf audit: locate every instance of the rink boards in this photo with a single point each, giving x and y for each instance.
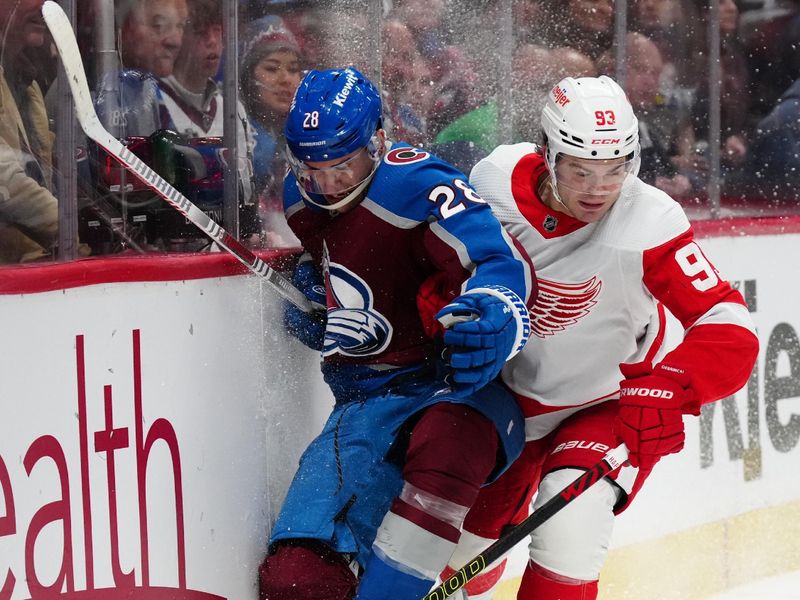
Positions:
(153, 411)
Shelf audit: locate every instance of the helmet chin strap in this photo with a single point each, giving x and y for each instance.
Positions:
(554, 186)
(554, 189)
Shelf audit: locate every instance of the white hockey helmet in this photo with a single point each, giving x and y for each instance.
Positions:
(590, 118)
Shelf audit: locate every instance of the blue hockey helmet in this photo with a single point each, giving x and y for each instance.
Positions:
(334, 113)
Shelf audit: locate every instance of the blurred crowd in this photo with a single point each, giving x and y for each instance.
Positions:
(458, 77)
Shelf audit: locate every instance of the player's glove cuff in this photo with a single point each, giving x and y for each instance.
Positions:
(676, 391)
(516, 305)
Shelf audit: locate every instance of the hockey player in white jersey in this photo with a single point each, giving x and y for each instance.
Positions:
(610, 254)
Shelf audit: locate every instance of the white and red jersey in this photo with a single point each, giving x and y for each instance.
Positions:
(602, 289)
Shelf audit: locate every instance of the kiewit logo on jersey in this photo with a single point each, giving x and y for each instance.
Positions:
(560, 96)
(561, 305)
(355, 328)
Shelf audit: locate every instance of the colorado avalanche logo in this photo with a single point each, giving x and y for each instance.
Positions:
(560, 305)
(355, 329)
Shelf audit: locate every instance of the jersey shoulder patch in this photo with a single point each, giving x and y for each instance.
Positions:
(407, 180)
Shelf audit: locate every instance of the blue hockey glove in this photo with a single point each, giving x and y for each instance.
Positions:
(309, 328)
(483, 329)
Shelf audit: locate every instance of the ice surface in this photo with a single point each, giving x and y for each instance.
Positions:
(780, 587)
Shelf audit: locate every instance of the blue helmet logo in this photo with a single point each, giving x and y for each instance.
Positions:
(334, 113)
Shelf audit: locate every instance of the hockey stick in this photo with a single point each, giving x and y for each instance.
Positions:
(612, 461)
(64, 39)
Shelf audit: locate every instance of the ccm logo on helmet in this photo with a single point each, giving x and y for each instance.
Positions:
(666, 394)
(605, 142)
(560, 97)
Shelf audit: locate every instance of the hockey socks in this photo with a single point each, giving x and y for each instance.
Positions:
(382, 580)
(305, 570)
(442, 476)
(539, 583)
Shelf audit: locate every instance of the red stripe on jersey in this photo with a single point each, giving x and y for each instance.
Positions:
(427, 522)
(526, 178)
(659, 339)
(531, 407)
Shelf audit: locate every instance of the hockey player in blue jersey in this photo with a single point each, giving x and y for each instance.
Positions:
(384, 489)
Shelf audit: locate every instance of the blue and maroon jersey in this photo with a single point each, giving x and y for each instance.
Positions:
(420, 218)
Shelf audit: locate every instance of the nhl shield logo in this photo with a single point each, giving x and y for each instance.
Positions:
(550, 223)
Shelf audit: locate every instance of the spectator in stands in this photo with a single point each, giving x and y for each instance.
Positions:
(455, 88)
(150, 37)
(772, 46)
(28, 210)
(404, 71)
(774, 163)
(527, 16)
(585, 25)
(191, 96)
(535, 69)
(734, 92)
(475, 134)
(307, 25)
(271, 71)
(426, 22)
(532, 67)
(665, 132)
(665, 23)
(151, 34)
(192, 99)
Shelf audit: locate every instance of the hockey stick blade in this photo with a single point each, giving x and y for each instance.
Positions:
(64, 39)
(612, 461)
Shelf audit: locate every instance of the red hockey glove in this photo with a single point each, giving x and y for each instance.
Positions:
(651, 409)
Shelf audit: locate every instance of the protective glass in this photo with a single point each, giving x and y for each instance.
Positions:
(338, 179)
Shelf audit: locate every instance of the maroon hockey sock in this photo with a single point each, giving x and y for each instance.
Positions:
(452, 450)
(307, 570)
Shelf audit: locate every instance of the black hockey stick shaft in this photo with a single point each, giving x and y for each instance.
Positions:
(612, 461)
(64, 38)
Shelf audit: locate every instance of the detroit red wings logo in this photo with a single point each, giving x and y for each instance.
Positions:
(560, 305)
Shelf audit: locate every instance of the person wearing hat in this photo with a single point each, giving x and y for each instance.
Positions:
(270, 74)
